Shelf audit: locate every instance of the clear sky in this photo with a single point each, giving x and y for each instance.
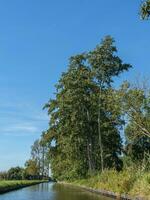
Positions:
(36, 39)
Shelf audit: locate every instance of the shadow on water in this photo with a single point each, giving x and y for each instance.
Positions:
(51, 191)
(73, 193)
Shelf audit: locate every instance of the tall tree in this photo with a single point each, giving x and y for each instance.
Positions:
(135, 106)
(105, 65)
(75, 141)
(31, 169)
(71, 118)
(137, 111)
(39, 155)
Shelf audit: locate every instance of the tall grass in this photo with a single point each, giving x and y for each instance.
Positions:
(6, 186)
(133, 182)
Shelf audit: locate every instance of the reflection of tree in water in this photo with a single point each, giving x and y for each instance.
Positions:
(71, 193)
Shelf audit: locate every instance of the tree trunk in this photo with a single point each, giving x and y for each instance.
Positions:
(89, 145)
(99, 133)
(43, 160)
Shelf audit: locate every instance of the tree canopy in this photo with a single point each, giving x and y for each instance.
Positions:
(84, 119)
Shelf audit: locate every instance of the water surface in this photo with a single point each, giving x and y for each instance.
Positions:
(51, 191)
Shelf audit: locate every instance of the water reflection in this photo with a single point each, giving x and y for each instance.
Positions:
(50, 191)
(72, 193)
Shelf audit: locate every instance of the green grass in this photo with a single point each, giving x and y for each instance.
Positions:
(127, 182)
(6, 186)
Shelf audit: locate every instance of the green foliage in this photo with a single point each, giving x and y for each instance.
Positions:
(37, 167)
(87, 117)
(6, 186)
(145, 9)
(135, 106)
(141, 187)
(132, 181)
(84, 118)
(15, 173)
(3, 175)
(31, 170)
(138, 149)
(105, 63)
(137, 112)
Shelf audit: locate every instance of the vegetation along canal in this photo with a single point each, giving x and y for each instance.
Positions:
(51, 191)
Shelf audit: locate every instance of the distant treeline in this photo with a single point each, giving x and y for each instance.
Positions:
(18, 173)
(37, 167)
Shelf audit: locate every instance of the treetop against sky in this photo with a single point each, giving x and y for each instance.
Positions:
(37, 38)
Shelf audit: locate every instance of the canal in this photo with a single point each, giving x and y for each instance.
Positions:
(51, 191)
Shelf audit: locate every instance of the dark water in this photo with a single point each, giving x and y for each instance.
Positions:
(50, 191)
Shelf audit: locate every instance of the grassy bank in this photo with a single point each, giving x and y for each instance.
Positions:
(126, 182)
(6, 186)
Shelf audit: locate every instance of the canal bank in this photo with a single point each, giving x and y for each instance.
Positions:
(104, 193)
(124, 185)
(7, 186)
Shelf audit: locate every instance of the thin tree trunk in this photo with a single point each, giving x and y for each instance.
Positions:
(89, 157)
(99, 132)
(89, 145)
(43, 160)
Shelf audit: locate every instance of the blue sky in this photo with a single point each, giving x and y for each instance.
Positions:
(36, 39)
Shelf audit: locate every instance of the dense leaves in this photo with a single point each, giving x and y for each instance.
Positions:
(145, 9)
(84, 118)
(89, 118)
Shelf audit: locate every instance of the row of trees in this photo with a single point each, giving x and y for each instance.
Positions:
(37, 167)
(14, 173)
(88, 116)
